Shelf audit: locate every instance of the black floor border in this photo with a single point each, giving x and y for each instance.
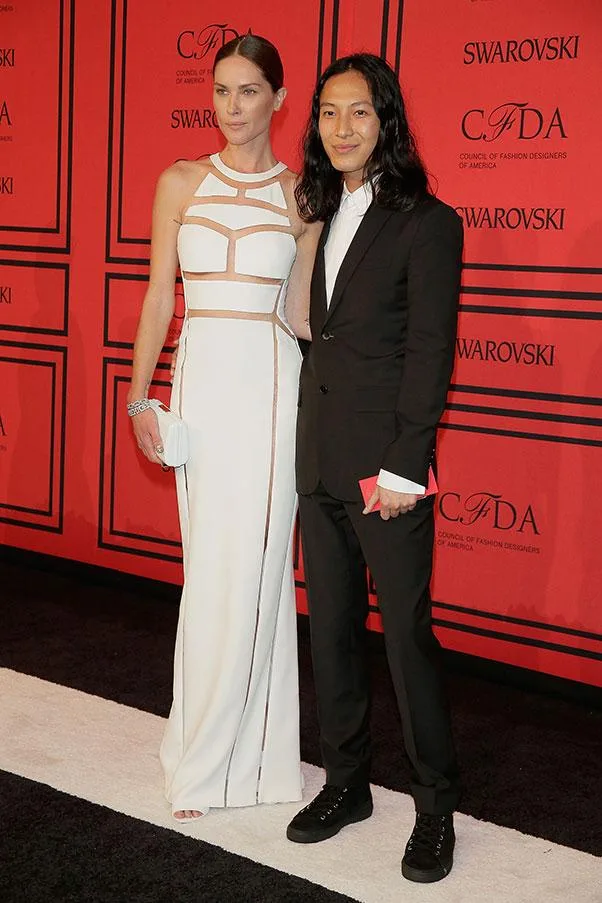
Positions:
(458, 662)
(63, 847)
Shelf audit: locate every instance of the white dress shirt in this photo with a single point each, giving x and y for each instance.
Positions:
(345, 224)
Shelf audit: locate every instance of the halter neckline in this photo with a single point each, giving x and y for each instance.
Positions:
(237, 176)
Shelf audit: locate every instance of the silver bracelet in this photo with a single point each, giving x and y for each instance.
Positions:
(136, 407)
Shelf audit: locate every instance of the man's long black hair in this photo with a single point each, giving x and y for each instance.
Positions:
(401, 177)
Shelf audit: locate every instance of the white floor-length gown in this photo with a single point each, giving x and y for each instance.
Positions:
(232, 737)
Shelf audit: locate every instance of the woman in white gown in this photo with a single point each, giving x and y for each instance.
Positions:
(245, 256)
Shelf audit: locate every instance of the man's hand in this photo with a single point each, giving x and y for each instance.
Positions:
(392, 504)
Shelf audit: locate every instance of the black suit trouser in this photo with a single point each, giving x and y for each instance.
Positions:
(338, 542)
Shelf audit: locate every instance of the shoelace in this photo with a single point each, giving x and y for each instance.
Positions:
(326, 801)
(428, 833)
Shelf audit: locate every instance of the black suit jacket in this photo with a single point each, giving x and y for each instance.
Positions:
(374, 382)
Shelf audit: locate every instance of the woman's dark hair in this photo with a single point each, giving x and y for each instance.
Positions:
(402, 179)
(259, 51)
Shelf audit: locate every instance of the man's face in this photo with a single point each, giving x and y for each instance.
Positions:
(349, 126)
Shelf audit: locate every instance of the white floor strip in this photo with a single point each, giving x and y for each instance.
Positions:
(107, 753)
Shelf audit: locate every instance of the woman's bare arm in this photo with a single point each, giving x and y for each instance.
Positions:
(297, 295)
(159, 300)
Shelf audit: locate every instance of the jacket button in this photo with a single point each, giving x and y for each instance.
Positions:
(324, 390)
(327, 335)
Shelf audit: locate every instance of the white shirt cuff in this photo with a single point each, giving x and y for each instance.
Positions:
(388, 480)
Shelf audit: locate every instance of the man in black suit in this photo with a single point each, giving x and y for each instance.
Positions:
(384, 297)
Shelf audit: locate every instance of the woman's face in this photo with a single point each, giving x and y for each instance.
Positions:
(244, 101)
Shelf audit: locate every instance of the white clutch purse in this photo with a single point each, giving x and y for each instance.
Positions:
(174, 435)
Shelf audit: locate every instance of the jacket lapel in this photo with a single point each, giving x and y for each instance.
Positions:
(318, 294)
(372, 223)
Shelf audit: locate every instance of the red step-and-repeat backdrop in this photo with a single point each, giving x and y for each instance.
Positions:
(97, 98)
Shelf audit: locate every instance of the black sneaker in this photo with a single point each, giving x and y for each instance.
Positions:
(429, 855)
(332, 809)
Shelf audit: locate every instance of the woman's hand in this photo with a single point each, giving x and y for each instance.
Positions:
(174, 358)
(146, 431)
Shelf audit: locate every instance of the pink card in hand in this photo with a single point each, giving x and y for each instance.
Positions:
(368, 485)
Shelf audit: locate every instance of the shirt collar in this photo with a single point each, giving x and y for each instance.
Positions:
(359, 200)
